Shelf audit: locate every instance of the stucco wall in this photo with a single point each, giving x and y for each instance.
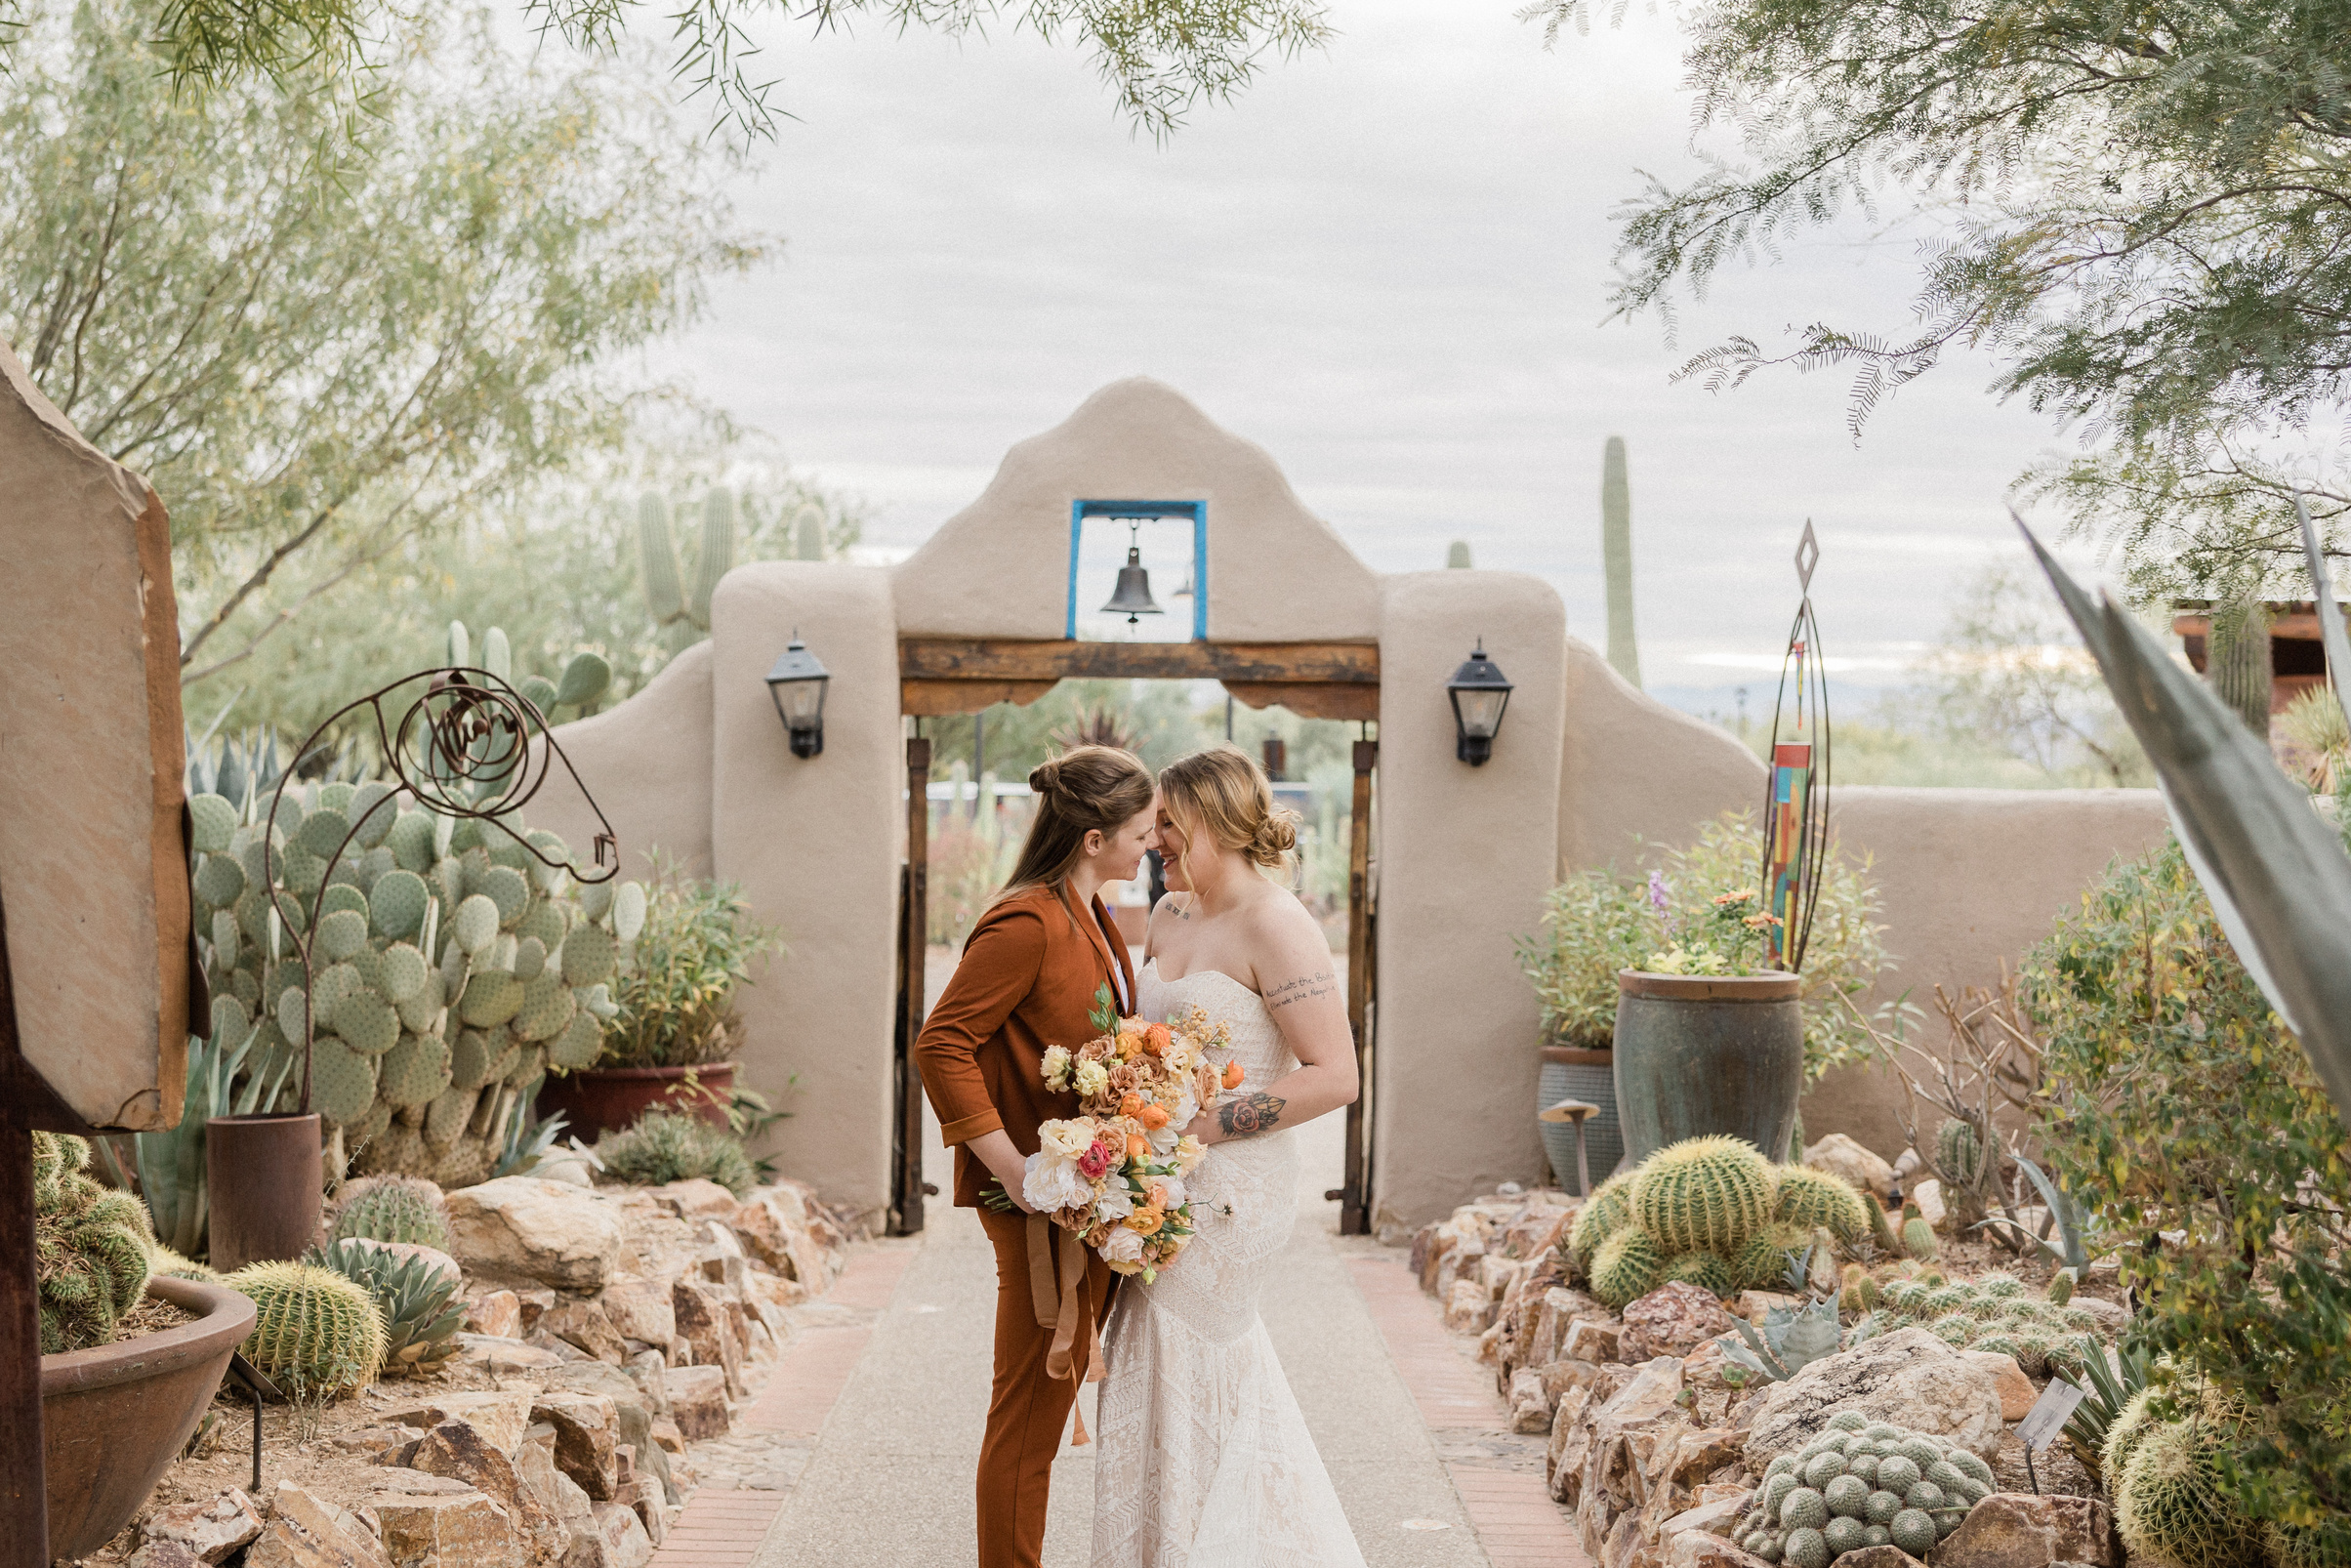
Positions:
(1967, 879)
(1000, 566)
(1466, 855)
(816, 843)
(647, 762)
(1633, 769)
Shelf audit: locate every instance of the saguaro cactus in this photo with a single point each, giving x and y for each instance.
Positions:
(2237, 660)
(808, 532)
(716, 558)
(1615, 549)
(1457, 554)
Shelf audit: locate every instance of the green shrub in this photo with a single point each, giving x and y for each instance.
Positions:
(2186, 1111)
(675, 994)
(663, 1146)
(1601, 921)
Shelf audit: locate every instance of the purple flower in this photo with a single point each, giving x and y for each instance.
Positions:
(1657, 892)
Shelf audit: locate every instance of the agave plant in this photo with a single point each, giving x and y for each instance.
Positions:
(2076, 1230)
(1789, 1341)
(2106, 1385)
(412, 1293)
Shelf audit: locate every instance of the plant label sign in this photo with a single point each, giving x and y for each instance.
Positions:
(2048, 1414)
(93, 855)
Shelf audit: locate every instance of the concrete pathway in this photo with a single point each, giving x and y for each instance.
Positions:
(860, 1450)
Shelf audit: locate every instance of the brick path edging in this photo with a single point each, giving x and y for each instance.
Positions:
(725, 1529)
(1514, 1515)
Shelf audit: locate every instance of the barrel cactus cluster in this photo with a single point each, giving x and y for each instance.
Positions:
(393, 1209)
(1992, 1312)
(453, 966)
(2172, 1503)
(1711, 1211)
(91, 1247)
(315, 1334)
(1861, 1483)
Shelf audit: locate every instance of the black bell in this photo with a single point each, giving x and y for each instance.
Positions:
(1133, 597)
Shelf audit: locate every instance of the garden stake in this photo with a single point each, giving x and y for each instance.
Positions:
(257, 1385)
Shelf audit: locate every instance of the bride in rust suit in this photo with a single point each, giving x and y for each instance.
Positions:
(1027, 980)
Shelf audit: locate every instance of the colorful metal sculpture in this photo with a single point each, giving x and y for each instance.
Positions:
(1795, 808)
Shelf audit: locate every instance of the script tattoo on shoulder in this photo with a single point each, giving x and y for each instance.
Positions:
(1250, 1114)
(1306, 988)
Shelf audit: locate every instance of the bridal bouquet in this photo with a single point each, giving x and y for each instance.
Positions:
(1115, 1173)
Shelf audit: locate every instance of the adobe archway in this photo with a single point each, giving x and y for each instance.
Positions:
(1466, 853)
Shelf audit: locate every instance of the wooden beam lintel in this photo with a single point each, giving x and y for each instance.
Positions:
(942, 659)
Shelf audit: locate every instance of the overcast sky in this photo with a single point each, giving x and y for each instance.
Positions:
(1389, 263)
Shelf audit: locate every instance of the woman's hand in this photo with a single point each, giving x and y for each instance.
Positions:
(997, 1152)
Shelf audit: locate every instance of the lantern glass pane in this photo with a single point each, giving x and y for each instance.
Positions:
(799, 700)
(1480, 711)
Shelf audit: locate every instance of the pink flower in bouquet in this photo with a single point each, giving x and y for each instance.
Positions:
(1098, 1159)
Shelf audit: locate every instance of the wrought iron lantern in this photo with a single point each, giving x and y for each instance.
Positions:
(1479, 693)
(798, 684)
(1132, 596)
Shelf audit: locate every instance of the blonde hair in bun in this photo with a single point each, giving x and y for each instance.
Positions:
(1223, 792)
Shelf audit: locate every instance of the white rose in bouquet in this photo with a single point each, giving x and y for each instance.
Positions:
(1114, 1203)
(1064, 1141)
(1189, 1152)
(1092, 1078)
(1124, 1246)
(1053, 1184)
(1173, 1189)
(1057, 1067)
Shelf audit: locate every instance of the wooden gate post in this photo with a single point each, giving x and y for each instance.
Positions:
(906, 1136)
(1355, 1197)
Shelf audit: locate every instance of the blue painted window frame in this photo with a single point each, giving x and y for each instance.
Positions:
(1197, 511)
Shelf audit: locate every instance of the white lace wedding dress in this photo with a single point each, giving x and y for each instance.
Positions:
(1204, 1461)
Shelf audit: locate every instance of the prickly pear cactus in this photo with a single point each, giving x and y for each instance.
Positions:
(453, 968)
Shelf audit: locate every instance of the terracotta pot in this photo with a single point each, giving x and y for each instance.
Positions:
(114, 1416)
(1697, 1056)
(595, 1100)
(263, 1181)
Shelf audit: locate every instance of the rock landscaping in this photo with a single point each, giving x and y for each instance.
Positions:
(1665, 1443)
(611, 1335)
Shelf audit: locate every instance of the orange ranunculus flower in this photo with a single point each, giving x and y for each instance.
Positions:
(1128, 1043)
(1138, 1147)
(1157, 1038)
(1146, 1222)
(1232, 1075)
(1153, 1117)
(1130, 1103)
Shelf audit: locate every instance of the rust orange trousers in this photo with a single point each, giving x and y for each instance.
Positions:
(1044, 1295)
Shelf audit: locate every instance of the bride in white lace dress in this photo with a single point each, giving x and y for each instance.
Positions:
(1204, 1461)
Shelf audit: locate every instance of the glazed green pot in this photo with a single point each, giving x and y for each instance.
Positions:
(1699, 1056)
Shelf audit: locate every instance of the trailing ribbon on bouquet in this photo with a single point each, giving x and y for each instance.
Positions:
(1060, 1310)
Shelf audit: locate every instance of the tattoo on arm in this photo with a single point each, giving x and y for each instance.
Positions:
(1306, 988)
(1250, 1114)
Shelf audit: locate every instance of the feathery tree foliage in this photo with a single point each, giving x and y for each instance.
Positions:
(1160, 57)
(2145, 216)
(319, 372)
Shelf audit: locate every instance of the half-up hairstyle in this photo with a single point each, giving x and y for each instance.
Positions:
(1222, 792)
(1085, 790)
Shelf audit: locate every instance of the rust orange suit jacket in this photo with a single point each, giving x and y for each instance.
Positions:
(1026, 982)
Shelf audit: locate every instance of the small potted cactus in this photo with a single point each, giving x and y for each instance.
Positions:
(114, 1412)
